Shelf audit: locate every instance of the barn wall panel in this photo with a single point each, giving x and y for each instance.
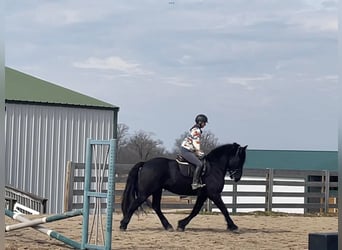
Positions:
(41, 139)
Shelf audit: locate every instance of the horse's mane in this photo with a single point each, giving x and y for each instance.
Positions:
(222, 150)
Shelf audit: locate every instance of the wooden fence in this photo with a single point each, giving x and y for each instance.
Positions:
(315, 190)
(24, 202)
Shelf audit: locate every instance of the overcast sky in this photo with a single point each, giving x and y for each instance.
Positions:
(263, 71)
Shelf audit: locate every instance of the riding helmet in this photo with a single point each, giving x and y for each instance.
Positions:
(201, 118)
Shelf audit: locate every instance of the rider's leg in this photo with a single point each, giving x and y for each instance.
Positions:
(192, 158)
(195, 180)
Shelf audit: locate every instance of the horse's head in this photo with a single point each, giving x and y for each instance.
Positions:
(236, 162)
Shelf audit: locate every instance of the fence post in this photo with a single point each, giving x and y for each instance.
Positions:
(234, 198)
(269, 189)
(326, 190)
(69, 186)
(209, 205)
(306, 193)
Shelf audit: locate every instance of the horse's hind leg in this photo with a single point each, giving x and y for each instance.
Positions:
(198, 205)
(156, 206)
(135, 204)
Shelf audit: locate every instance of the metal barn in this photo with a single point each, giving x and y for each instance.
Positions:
(47, 125)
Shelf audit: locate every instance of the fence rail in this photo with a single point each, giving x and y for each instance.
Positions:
(274, 188)
(24, 202)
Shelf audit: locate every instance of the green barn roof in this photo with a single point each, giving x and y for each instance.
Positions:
(292, 159)
(21, 87)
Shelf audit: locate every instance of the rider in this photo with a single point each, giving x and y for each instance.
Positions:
(191, 148)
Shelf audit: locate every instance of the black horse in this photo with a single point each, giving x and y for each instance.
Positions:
(151, 177)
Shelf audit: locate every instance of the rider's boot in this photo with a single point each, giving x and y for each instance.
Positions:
(195, 181)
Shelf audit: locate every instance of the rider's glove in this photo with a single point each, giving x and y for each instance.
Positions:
(200, 154)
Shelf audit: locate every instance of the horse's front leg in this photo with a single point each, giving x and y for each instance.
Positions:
(198, 205)
(217, 199)
(156, 206)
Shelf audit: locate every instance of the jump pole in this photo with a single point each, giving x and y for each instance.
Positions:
(31, 223)
(98, 194)
(51, 233)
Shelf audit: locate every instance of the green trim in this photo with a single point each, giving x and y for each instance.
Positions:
(292, 159)
(22, 87)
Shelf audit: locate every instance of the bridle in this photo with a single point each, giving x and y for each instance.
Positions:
(233, 172)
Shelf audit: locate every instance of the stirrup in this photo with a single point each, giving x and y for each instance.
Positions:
(197, 185)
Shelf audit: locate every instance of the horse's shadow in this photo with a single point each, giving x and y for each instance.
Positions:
(147, 229)
(261, 230)
(240, 231)
(214, 230)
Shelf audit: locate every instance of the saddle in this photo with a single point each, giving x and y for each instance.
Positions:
(186, 168)
(181, 160)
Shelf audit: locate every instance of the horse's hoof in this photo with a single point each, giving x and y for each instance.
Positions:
(236, 231)
(233, 229)
(169, 229)
(123, 228)
(180, 229)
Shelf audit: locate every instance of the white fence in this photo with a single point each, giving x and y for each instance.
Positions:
(292, 191)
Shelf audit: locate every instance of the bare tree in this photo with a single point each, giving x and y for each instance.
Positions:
(208, 141)
(179, 140)
(121, 140)
(144, 147)
(122, 134)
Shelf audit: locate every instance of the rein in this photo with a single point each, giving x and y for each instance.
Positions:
(233, 172)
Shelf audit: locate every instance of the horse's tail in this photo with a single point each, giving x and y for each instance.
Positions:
(130, 191)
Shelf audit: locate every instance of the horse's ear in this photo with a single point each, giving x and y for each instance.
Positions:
(245, 147)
